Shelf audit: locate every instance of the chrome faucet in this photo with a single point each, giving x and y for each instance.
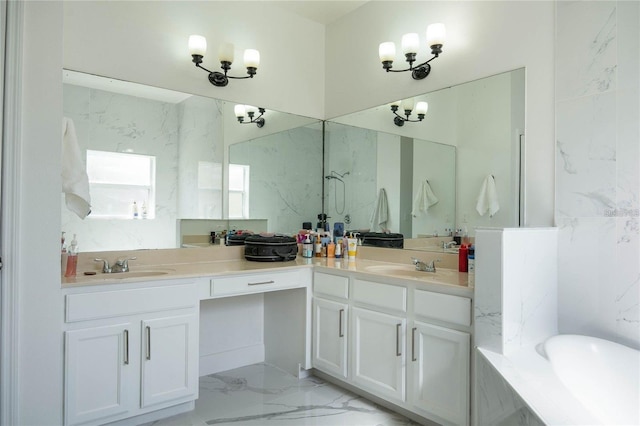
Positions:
(423, 266)
(121, 265)
(447, 245)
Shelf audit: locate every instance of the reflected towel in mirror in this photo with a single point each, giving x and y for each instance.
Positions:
(488, 197)
(380, 214)
(423, 199)
(75, 182)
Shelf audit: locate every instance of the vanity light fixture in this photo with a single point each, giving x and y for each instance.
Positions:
(198, 47)
(410, 43)
(407, 106)
(249, 111)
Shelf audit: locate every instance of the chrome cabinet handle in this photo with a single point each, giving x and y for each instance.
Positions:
(262, 282)
(340, 332)
(148, 329)
(413, 344)
(126, 347)
(398, 327)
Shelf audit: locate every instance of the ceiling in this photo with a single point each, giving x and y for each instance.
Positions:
(321, 11)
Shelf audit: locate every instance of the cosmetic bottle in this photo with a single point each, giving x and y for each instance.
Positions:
(72, 258)
(462, 258)
(135, 210)
(471, 265)
(331, 249)
(307, 247)
(318, 246)
(338, 249)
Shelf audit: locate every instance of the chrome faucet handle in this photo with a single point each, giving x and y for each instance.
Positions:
(124, 263)
(415, 261)
(431, 267)
(105, 265)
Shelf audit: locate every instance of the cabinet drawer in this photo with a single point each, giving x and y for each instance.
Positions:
(443, 307)
(108, 304)
(380, 295)
(258, 283)
(331, 285)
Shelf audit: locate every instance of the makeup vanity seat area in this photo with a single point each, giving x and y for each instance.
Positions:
(137, 349)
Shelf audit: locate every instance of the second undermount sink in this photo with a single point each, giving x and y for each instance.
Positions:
(137, 274)
(408, 271)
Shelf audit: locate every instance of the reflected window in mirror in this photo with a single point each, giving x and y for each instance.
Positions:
(239, 178)
(122, 185)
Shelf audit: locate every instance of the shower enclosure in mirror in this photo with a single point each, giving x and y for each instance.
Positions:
(167, 152)
(471, 131)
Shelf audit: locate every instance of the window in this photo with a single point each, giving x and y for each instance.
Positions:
(117, 180)
(238, 191)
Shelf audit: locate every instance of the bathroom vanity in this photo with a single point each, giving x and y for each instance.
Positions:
(136, 345)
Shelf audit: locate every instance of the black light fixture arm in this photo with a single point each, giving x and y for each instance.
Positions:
(419, 71)
(399, 120)
(221, 79)
(259, 120)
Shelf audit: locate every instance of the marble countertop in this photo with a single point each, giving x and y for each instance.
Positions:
(157, 265)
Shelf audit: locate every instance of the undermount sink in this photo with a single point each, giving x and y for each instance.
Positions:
(136, 274)
(408, 271)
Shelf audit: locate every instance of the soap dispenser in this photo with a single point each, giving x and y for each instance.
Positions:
(72, 258)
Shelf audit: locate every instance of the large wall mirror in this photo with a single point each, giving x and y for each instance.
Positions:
(471, 131)
(184, 157)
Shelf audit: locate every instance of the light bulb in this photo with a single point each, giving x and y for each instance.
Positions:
(251, 58)
(407, 104)
(410, 43)
(197, 45)
(387, 51)
(422, 107)
(225, 52)
(239, 110)
(436, 34)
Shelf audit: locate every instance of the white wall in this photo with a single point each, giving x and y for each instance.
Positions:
(146, 42)
(598, 168)
(483, 38)
(40, 311)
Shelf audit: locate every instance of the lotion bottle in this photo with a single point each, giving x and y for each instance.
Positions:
(72, 258)
(307, 247)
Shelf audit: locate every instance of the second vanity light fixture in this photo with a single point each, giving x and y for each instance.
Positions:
(198, 47)
(407, 106)
(250, 111)
(436, 34)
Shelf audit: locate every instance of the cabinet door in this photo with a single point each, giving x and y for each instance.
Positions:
(378, 356)
(169, 359)
(440, 373)
(100, 374)
(330, 337)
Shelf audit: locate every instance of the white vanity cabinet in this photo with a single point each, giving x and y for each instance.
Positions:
(330, 323)
(378, 356)
(129, 351)
(407, 345)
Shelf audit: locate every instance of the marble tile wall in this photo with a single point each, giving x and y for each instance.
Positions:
(598, 168)
(113, 122)
(285, 177)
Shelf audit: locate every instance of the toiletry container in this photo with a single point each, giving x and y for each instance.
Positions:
(462, 258)
(471, 265)
(72, 258)
(307, 247)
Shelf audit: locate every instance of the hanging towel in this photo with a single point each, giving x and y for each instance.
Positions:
(488, 197)
(424, 199)
(380, 214)
(75, 182)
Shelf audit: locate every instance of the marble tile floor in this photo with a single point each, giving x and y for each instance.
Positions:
(260, 394)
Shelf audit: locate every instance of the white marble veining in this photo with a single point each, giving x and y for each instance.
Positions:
(516, 287)
(263, 395)
(597, 168)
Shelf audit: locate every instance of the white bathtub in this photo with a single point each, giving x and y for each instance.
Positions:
(574, 380)
(602, 375)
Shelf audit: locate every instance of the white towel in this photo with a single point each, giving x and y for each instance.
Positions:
(423, 199)
(488, 197)
(380, 214)
(75, 182)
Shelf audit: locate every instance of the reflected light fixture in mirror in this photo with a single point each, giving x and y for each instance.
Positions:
(250, 111)
(407, 106)
(198, 48)
(436, 34)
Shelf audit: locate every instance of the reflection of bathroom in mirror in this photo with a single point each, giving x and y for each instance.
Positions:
(470, 131)
(184, 139)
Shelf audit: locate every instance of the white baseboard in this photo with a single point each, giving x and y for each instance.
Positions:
(228, 360)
